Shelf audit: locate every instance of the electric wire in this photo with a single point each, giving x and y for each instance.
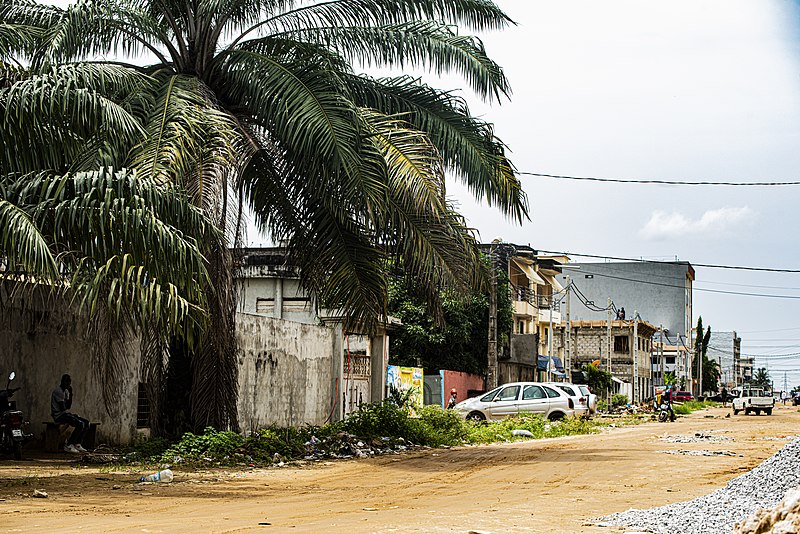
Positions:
(659, 182)
(640, 260)
(705, 290)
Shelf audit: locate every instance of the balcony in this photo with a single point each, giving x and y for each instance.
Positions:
(544, 316)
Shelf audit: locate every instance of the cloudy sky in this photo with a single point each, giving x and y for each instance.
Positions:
(701, 90)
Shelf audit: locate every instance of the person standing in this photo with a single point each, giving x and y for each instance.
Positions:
(60, 404)
(724, 396)
(453, 399)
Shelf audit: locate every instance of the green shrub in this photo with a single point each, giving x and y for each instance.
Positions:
(150, 447)
(211, 445)
(617, 399)
(442, 427)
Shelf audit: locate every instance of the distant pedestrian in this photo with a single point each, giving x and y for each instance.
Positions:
(453, 399)
(724, 396)
(784, 397)
(621, 314)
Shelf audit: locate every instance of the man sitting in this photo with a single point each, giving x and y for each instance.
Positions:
(60, 403)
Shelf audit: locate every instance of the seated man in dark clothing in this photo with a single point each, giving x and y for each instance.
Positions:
(60, 403)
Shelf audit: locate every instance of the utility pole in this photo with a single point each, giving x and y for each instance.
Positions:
(550, 337)
(569, 335)
(661, 353)
(635, 357)
(491, 356)
(608, 349)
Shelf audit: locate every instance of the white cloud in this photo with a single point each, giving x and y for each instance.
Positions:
(713, 223)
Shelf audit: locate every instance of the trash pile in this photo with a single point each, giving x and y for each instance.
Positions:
(343, 445)
(702, 452)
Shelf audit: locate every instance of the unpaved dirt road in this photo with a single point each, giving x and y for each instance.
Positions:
(554, 485)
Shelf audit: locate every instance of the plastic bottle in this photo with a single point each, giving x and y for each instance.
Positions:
(161, 476)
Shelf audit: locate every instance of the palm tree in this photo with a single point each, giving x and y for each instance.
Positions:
(762, 378)
(256, 104)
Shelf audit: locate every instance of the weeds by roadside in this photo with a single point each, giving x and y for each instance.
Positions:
(692, 406)
(373, 429)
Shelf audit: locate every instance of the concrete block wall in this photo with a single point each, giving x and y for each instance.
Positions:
(42, 345)
(285, 372)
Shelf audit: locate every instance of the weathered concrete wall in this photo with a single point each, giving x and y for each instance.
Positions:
(41, 345)
(285, 372)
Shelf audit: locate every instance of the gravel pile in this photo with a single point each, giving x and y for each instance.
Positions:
(717, 512)
(698, 437)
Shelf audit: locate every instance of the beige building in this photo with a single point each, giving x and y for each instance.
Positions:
(630, 355)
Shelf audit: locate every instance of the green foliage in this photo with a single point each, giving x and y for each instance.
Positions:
(195, 448)
(458, 342)
(597, 379)
(384, 422)
(505, 315)
(762, 378)
(619, 399)
(150, 447)
(692, 406)
(670, 379)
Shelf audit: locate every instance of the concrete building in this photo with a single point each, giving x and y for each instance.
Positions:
(725, 348)
(668, 358)
(630, 355)
(535, 291)
(661, 293)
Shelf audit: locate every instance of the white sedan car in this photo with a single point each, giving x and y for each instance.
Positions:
(585, 401)
(518, 398)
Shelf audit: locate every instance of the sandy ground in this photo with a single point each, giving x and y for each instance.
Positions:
(555, 485)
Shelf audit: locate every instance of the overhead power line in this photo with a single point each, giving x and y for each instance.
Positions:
(707, 265)
(659, 182)
(718, 291)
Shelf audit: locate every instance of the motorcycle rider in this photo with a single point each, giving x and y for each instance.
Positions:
(666, 398)
(60, 403)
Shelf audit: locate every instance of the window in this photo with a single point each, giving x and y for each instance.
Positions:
(584, 390)
(264, 305)
(521, 327)
(621, 344)
(568, 390)
(509, 394)
(490, 396)
(143, 407)
(671, 360)
(532, 393)
(551, 392)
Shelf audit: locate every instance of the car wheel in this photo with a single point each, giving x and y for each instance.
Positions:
(768, 411)
(556, 416)
(477, 417)
(747, 411)
(736, 412)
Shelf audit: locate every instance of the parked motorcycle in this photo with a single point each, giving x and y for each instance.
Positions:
(11, 420)
(664, 413)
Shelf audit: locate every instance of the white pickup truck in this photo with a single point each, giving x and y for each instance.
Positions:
(753, 399)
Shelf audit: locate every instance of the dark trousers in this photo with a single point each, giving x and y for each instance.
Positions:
(81, 426)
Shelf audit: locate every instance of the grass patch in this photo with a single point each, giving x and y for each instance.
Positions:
(692, 406)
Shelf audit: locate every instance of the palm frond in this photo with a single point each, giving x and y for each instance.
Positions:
(467, 145)
(418, 44)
